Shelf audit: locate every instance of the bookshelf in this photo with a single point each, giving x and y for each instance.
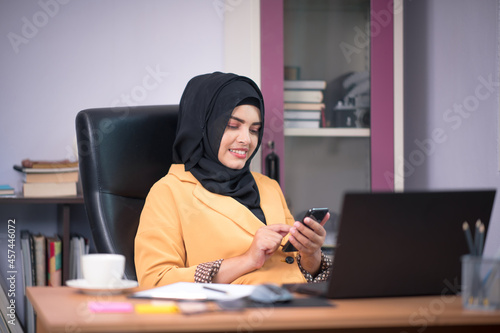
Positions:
(64, 207)
(339, 157)
(319, 165)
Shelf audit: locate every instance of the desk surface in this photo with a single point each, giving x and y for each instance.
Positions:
(62, 309)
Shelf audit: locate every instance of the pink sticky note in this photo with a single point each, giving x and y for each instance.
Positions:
(99, 307)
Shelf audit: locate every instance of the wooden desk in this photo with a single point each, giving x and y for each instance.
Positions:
(62, 309)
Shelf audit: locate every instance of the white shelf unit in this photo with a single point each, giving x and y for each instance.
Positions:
(329, 132)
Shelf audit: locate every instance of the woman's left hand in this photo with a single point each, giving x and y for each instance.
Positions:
(308, 240)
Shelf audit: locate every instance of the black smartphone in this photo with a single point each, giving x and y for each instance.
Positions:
(317, 214)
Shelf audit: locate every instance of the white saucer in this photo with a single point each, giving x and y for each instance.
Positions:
(83, 286)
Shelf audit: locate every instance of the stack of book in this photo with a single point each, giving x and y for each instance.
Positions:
(304, 107)
(49, 179)
(6, 190)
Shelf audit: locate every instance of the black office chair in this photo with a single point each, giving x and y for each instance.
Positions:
(122, 152)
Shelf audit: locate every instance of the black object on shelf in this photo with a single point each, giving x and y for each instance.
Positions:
(272, 163)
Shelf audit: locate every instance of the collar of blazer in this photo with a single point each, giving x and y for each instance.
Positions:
(270, 200)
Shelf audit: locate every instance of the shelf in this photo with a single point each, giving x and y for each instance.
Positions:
(19, 199)
(63, 204)
(351, 108)
(328, 132)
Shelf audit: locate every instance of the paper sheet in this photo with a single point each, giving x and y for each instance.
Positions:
(196, 291)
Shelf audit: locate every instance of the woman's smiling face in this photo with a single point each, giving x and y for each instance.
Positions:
(240, 137)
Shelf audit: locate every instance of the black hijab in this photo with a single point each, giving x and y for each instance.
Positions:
(204, 111)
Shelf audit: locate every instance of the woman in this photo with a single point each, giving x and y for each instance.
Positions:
(212, 220)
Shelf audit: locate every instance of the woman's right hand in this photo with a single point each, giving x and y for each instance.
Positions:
(266, 241)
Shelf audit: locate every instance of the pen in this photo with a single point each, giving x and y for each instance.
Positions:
(215, 289)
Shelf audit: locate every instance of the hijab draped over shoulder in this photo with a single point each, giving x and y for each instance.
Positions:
(204, 111)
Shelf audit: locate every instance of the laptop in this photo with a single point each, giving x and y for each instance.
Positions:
(401, 244)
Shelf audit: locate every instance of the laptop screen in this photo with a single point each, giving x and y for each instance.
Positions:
(404, 244)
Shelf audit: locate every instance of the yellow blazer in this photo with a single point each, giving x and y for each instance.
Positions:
(182, 225)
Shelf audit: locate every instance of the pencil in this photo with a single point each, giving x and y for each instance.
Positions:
(468, 236)
(477, 235)
(481, 240)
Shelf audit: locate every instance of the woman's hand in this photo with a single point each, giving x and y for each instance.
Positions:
(308, 242)
(266, 241)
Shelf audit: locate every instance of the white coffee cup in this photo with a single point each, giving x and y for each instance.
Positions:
(103, 270)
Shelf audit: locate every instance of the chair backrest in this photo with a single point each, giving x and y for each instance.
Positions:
(122, 152)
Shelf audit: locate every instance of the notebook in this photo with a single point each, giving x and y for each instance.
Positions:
(401, 244)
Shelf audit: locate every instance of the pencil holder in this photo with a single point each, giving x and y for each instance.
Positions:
(480, 283)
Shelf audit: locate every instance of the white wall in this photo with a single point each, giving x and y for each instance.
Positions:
(242, 45)
(451, 98)
(59, 57)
